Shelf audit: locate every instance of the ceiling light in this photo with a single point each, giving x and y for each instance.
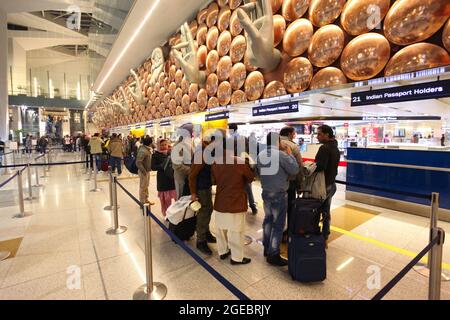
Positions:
(133, 37)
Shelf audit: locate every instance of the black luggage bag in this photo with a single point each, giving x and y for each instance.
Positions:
(305, 216)
(307, 258)
(186, 228)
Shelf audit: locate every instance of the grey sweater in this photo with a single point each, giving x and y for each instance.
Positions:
(275, 168)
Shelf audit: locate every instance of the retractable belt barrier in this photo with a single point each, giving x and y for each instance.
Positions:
(227, 284)
(406, 269)
(4, 183)
(44, 164)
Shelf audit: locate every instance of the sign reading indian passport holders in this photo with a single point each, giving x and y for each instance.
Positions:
(421, 91)
(275, 109)
(217, 116)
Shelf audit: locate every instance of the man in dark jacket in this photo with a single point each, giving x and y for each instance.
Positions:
(200, 185)
(327, 160)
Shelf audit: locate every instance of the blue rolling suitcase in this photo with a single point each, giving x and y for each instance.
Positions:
(307, 258)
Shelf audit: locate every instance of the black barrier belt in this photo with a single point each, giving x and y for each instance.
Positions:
(128, 193)
(227, 284)
(405, 270)
(43, 164)
(4, 183)
(37, 158)
(416, 195)
(23, 169)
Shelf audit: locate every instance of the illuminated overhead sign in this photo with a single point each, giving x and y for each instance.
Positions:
(217, 116)
(165, 123)
(380, 118)
(149, 125)
(288, 107)
(421, 91)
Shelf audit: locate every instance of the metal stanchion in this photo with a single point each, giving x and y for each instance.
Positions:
(116, 228)
(151, 290)
(30, 184)
(96, 189)
(43, 167)
(434, 286)
(4, 255)
(36, 174)
(88, 167)
(111, 204)
(14, 157)
(49, 160)
(21, 201)
(7, 171)
(424, 269)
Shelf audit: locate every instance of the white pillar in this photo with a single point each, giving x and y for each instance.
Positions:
(3, 76)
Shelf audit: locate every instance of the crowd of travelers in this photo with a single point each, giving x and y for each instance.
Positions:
(191, 174)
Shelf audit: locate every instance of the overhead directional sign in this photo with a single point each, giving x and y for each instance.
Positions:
(288, 107)
(164, 123)
(421, 91)
(217, 116)
(149, 125)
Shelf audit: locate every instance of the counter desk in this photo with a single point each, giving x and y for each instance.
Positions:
(399, 177)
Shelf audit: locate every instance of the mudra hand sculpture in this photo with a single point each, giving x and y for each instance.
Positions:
(118, 105)
(259, 33)
(157, 65)
(188, 57)
(136, 90)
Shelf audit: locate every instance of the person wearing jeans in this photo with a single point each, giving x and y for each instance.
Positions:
(95, 145)
(327, 160)
(275, 166)
(115, 150)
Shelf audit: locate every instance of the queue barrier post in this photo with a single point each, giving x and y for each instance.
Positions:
(116, 228)
(21, 199)
(425, 269)
(151, 290)
(7, 171)
(435, 263)
(36, 174)
(30, 184)
(110, 187)
(43, 166)
(49, 161)
(95, 189)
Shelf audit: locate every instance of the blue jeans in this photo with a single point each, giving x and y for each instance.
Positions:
(326, 211)
(116, 162)
(275, 209)
(98, 161)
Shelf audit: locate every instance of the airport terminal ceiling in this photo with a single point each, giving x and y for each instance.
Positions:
(235, 52)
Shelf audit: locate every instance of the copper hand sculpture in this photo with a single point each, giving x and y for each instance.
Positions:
(136, 90)
(257, 20)
(188, 57)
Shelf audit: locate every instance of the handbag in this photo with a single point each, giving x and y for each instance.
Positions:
(185, 229)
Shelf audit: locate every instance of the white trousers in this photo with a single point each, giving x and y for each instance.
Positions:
(230, 234)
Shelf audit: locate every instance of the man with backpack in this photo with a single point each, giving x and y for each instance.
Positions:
(327, 160)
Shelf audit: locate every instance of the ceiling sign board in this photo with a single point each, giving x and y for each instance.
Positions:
(421, 91)
(149, 125)
(165, 123)
(217, 116)
(281, 108)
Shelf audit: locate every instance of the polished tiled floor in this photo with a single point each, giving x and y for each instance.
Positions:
(64, 237)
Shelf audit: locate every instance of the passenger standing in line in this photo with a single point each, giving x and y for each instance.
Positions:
(115, 150)
(182, 164)
(275, 166)
(161, 163)
(28, 144)
(200, 185)
(230, 205)
(96, 149)
(327, 160)
(248, 189)
(287, 136)
(144, 165)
